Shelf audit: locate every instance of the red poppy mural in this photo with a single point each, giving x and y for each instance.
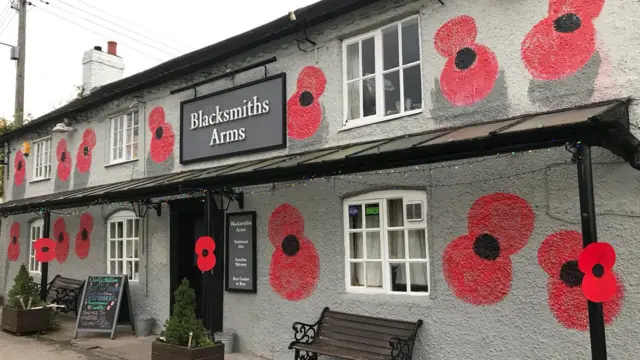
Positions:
(596, 263)
(304, 112)
(62, 237)
(205, 247)
(559, 257)
(45, 249)
(83, 237)
(13, 251)
(64, 160)
(162, 135)
(83, 156)
(564, 41)
(477, 266)
(471, 69)
(19, 168)
(295, 264)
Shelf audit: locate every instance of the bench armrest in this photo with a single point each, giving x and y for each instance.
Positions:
(304, 333)
(400, 348)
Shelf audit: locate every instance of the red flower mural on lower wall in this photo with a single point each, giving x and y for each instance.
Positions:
(83, 237)
(295, 264)
(61, 236)
(558, 256)
(477, 266)
(304, 112)
(45, 249)
(13, 250)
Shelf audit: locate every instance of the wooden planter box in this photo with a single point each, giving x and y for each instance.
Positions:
(25, 321)
(164, 351)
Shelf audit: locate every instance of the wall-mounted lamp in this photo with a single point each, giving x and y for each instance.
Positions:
(63, 127)
(292, 16)
(26, 148)
(141, 208)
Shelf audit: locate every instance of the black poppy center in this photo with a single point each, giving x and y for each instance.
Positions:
(597, 270)
(60, 238)
(306, 98)
(14, 240)
(19, 165)
(465, 58)
(290, 245)
(63, 156)
(570, 274)
(567, 23)
(486, 247)
(205, 252)
(45, 249)
(84, 234)
(85, 150)
(159, 133)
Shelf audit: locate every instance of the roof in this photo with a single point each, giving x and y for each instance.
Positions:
(308, 16)
(603, 124)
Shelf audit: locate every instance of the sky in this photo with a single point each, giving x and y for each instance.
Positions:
(147, 32)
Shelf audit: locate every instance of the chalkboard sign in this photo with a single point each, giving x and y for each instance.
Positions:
(241, 264)
(106, 302)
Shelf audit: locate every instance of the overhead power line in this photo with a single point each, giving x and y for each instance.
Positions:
(5, 26)
(5, 14)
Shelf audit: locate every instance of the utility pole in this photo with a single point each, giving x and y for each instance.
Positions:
(21, 6)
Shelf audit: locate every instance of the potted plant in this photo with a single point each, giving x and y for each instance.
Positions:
(24, 311)
(185, 337)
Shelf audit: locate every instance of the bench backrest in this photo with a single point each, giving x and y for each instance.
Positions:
(60, 282)
(363, 333)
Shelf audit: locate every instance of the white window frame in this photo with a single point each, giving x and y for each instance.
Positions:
(41, 152)
(379, 76)
(381, 197)
(35, 232)
(118, 129)
(126, 217)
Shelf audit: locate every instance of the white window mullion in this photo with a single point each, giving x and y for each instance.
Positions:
(379, 55)
(401, 70)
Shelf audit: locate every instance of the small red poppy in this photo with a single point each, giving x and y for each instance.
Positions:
(564, 41)
(471, 69)
(205, 247)
(477, 266)
(559, 258)
(304, 112)
(19, 166)
(83, 156)
(62, 237)
(295, 264)
(596, 261)
(13, 251)
(45, 249)
(83, 238)
(64, 160)
(162, 136)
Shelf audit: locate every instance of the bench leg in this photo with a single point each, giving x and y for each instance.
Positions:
(305, 355)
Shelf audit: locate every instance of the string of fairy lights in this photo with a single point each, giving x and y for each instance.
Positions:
(358, 179)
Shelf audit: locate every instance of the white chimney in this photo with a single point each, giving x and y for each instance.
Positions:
(100, 68)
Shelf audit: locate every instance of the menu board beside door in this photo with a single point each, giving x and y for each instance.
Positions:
(241, 264)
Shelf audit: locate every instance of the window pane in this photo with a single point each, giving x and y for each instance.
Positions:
(129, 120)
(374, 274)
(120, 230)
(373, 245)
(410, 42)
(355, 246)
(120, 250)
(398, 277)
(129, 228)
(392, 93)
(357, 274)
(368, 57)
(353, 61)
(419, 274)
(135, 134)
(390, 50)
(396, 244)
(412, 88)
(112, 250)
(116, 125)
(129, 133)
(372, 216)
(369, 96)
(395, 216)
(136, 270)
(136, 225)
(112, 267)
(136, 246)
(119, 269)
(417, 244)
(128, 244)
(135, 150)
(355, 216)
(353, 100)
(112, 230)
(135, 118)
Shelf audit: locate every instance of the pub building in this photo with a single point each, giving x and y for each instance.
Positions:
(445, 161)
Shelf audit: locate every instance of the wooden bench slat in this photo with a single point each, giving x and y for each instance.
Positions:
(400, 324)
(356, 332)
(328, 334)
(330, 350)
(356, 346)
(369, 327)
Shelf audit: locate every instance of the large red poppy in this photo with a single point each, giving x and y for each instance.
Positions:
(564, 41)
(61, 236)
(596, 262)
(477, 266)
(471, 69)
(45, 249)
(558, 256)
(83, 237)
(64, 160)
(19, 166)
(205, 247)
(13, 251)
(304, 112)
(295, 264)
(162, 135)
(83, 156)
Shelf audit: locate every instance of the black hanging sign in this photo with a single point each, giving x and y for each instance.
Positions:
(105, 303)
(241, 264)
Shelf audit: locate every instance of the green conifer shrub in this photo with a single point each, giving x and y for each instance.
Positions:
(184, 321)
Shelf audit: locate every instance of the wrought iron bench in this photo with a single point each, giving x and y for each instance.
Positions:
(64, 291)
(354, 337)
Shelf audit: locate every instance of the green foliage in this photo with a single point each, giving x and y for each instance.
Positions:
(23, 286)
(183, 320)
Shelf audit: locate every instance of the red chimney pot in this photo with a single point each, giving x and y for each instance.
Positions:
(112, 48)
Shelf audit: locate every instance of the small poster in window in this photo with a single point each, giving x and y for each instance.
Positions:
(372, 210)
(353, 210)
